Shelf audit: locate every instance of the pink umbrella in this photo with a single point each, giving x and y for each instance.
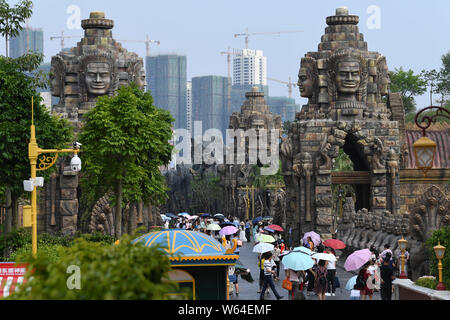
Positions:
(228, 230)
(314, 237)
(357, 259)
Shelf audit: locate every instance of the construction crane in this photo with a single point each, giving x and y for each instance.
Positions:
(247, 35)
(147, 43)
(229, 53)
(289, 84)
(62, 37)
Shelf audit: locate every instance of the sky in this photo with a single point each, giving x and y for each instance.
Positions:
(411, 34)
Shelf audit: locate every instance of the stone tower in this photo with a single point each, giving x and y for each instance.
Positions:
(345, 84)
(97, 66)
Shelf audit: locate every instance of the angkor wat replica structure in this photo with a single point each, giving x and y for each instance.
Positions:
(254, 115)
(97, 66)
(350, 107)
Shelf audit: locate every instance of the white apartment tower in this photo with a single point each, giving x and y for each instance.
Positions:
(189, 106)
(249, 67)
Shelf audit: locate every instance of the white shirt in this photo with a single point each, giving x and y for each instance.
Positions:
(331, 265)
(268, 265)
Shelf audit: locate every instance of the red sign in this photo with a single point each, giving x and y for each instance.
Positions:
(11, 277)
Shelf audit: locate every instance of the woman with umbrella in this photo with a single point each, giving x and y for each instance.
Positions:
(321, 283)
(268, 273)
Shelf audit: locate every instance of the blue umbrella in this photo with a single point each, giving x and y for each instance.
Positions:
(304, 250)
(171, 215)
(256, 220)
(351, 283)
(205, 215)
(298, 261)
(269, 230)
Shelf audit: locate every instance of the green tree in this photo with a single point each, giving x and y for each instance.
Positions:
(440, 236)
(125, 140)
(12, 18)
(106, 272)
(16, 92)
(409, 85)
(342, 163)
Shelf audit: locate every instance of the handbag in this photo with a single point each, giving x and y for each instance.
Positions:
(287, 284)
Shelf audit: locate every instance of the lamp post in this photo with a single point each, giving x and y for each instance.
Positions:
(439, 251)
(425, 148)
(47, 162)
(402, 244)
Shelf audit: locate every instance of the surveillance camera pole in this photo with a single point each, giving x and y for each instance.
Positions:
(46, 163)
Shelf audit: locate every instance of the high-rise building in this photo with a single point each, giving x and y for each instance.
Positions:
(284, 106)
(28, 39)
(249, 67)
(189, 106)
(210, 102)
(166, 80)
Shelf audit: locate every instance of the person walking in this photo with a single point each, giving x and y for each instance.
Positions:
(387, 275)
(268, 273)
(294, 277)
(247, 231)
(365, 274)
(331, 275)
(276, 258)
(242, 236)
(321, 283)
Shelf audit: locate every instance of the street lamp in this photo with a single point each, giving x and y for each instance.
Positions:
(439, 251)
(402, 244)
(425, 148)
(44, 163)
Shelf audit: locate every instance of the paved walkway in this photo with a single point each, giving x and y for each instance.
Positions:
(248, 291)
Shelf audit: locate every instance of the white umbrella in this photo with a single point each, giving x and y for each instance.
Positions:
(213, 227)
(324, 256)
(263, 247)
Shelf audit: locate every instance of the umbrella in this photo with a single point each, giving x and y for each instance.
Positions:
(171, 215)
(351, 283)
(357, 259)
(314, 237)
(256, 220)
(193, 217)
(276, 227)
(269, 229)
(184, 214)
(324, 256)
(267, 218)
(304, 250)
(213, 227)
(219, 216)
(263, 247)
(335, 244)
(228, 230)
(298, 261)
(165, 218)
(227, 224)
(244, 272)
(205, 215)
(265, 238)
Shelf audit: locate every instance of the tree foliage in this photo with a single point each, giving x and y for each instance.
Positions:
(441, 236)
(16, 92)
(12, 18)
(125, 140)
(408, 85)
(107, 272)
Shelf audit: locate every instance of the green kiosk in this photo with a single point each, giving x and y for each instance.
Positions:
(199, 261)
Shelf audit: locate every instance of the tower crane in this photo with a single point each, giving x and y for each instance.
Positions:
(247, 35)
(229, 53)
(147, 43)
(289, 84)
(62, 37)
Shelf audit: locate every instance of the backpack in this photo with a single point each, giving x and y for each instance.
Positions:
(360, 284)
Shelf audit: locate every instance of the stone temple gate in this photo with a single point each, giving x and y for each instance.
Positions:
(349, 107)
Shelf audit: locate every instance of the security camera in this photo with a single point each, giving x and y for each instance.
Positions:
(77, 145)
(75, 164)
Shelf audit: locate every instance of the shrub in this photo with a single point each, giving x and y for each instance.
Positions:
(443, 236)
(427, 282)
(107, 272)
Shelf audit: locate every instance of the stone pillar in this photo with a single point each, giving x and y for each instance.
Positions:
(68, 205)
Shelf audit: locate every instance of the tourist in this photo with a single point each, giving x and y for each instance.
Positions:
(398, 254)
(261, 259)
(282, 246)
(374, 272)
(247, 230)
(242, 237)
(166, 224)
(365, 274)
(386, 250)
(387, 275)
(268, 273)
(294, 277)
(310, 244)
(331, 275)
(310, 277)
(321, 283)
(276, 258)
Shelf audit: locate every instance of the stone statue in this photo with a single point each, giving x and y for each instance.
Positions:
(368, 233)
(348, 218)
(380, 241)
(360, 219)
(376, 227)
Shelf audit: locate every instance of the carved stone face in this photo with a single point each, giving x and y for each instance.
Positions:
(139, 79)
(397, 226)
(98, 78)
(305, 84)
(376, 223)
(405, 225)
(384, 224)
(348, 77)
(390, 225)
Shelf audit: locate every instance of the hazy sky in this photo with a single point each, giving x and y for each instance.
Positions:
(412, 34)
